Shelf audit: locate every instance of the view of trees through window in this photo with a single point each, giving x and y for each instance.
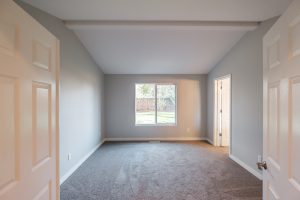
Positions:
(155, 104)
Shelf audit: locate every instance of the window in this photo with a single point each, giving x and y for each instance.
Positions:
(155, 104)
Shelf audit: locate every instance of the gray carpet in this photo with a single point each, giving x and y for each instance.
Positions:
(161, 171)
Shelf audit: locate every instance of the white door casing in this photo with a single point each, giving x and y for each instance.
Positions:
(28, 107)
(281, 48)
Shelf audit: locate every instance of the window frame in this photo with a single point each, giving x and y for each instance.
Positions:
(155, 95)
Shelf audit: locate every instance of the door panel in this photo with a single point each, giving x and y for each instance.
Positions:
(41, 55)
(294, 34)
(273, 53)
(294, 140)
(28, 107)
(9, 137)
(44, 193)
(7, 38)
(281, 107)
(273, 126)
(272, 194)
(41, 112)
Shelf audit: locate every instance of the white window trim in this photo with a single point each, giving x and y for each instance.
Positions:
(155, 87)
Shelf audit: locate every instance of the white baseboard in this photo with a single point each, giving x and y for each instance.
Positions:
(77, 165)
(154, 139)
(247, 167)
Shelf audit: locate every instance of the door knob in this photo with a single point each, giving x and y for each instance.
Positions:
(262, 165)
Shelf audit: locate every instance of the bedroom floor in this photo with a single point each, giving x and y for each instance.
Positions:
(161, 171)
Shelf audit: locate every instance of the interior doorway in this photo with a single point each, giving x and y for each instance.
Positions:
(222, 112)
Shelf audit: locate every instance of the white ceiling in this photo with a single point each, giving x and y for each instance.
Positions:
(157, 51)
(160, 36)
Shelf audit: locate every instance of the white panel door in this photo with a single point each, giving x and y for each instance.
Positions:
(28, 107)
(281, 179)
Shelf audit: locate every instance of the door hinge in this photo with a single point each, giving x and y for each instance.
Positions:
(220, 134)
(220, 111)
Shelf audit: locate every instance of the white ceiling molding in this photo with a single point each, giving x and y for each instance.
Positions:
(161, 25)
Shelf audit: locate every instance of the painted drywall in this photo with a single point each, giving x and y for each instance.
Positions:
(245, 63)
(120, 107)
(81, 93)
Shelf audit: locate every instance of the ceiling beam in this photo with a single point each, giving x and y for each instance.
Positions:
(165, 25)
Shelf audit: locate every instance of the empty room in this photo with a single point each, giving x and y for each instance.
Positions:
(149, 100)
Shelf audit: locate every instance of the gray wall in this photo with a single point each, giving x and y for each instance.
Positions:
(81, 99)
(120, 107)
(245, 63)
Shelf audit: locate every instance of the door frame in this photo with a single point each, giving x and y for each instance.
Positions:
(58, 60)
(216, 134)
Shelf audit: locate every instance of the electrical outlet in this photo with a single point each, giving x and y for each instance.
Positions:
(69, 156)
